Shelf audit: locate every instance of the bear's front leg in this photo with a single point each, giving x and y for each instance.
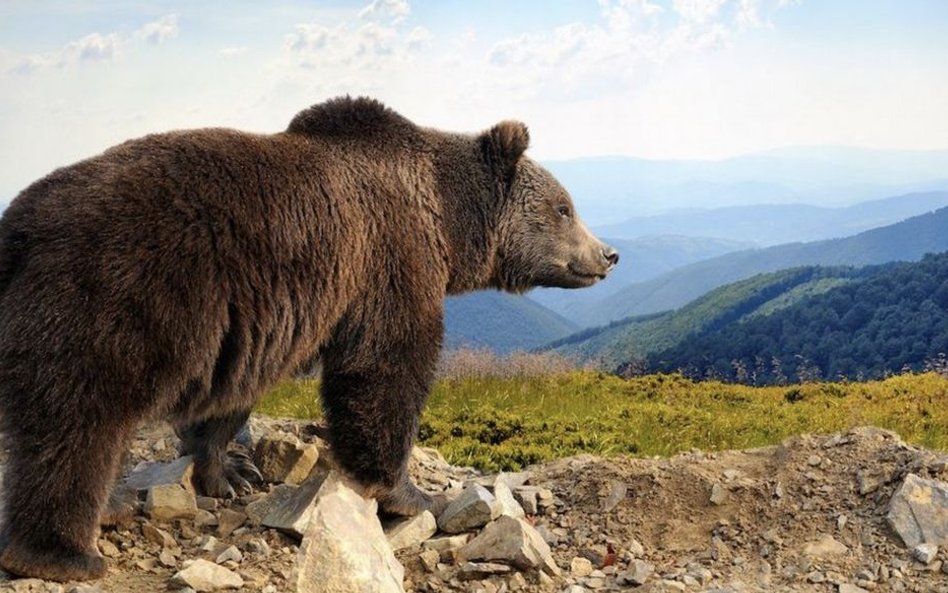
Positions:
(373, 394)
(219, 471)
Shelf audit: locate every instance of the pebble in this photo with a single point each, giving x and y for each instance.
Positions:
(580, 567)
(719, 494)
(925, 553)
(204, 576)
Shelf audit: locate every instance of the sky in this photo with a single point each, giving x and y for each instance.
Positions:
(680, 79)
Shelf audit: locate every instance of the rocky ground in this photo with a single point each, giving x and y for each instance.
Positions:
(853, 512)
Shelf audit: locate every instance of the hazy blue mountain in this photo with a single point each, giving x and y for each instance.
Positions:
(773, 224)
(639, 260)
(609, 189)
(908, 240)
(501, 322)
(641, 336)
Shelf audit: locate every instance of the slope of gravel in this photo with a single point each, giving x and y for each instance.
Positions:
(807, 515)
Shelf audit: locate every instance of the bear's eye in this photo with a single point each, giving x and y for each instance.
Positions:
(564, 211)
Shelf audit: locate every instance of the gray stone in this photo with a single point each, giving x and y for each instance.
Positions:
(231, 553)
(258, 510)
(446, 546)
(505, 499)
(925, 553)
(203, 576)
(474, 508)
(918, 512)
(411, 531)
(291, 515)
(719, 494)
(429, 559)
(282, 457)
(617, 492)
(149, 474)
(637, 574)
(228, 520)
(472, 571)
(158, 536)
(636, 548)
(169, 501)
(527, 497)
(513, 541)
(344, 548)
(849, 588)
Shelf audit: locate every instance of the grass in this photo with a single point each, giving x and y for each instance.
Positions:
(508, 423)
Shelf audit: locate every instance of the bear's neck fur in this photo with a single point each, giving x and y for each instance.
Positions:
(471, 199)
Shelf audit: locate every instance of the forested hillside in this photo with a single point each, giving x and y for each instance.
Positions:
(908, 240)
(886, 319)
(637, 337)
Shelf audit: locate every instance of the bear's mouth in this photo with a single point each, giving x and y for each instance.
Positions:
(586, 274)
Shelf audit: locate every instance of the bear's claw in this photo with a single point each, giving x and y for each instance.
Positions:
(233, 476)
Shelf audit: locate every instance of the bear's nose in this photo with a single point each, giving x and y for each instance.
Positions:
(611, 255)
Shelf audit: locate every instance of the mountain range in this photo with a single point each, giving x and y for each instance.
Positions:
(904, 241)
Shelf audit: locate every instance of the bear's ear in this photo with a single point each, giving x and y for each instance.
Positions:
(504, 144)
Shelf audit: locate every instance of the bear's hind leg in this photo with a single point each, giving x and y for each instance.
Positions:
(219, 471)
(55, 489)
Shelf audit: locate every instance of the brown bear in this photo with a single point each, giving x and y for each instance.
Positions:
(180, 275)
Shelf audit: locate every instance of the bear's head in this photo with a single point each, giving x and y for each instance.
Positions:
(541, 240)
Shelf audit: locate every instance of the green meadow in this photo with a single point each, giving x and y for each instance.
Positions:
(507, 423)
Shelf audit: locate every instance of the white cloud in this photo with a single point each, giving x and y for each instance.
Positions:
(232, 51)
(396, 10)
(157, 32)
(698, 11)
(418, 37)
(94, 47)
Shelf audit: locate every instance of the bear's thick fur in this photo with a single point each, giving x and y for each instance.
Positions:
(180, 275)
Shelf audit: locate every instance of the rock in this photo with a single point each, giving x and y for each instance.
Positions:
(228, 520)
(108, 549)
(474, 508)
(472, 571)
(513, 541)
(258, 510)
(344, 548)
(85, 589)
(231, 553)
(516, 582)
(617, 492)
(848, 588)
(203, 576)
(169, 501)
(868, 481)
(814, 460)
(925, 553)
(527, 497)
(637, 574)
(636, 548)
(580, 567)
(282, 457)
(158, 536)
(446, 546)
(149, 474)
(205, 519)
(824, 547)
(506, 501)
(719, 494)
(918, 512)
(429, 559)
(292, 514)
(207, 503)
(411, 531)
(167, 559)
